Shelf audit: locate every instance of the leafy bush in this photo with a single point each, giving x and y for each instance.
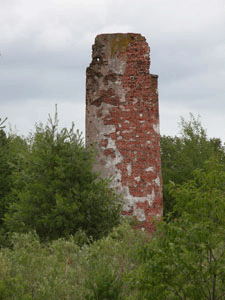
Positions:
(61, 269)
(12, 148)
(55, 192)
(182, 154)
(5, 182)
(185, 259)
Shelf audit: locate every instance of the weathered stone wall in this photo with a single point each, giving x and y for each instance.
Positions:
(122, 118)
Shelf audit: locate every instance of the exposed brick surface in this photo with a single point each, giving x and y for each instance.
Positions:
(122, 117)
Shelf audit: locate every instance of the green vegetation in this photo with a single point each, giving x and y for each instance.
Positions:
(67, 240)
(182, 154)
(186, 257)
(64, 270)
(4, 174)
(52, 188)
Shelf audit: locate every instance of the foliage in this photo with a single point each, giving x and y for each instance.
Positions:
(62, 269)
(4, 173)
(186, 257)
(11, 148)
(181, 155)
(54, 196)
(55, 191)
(5, 181)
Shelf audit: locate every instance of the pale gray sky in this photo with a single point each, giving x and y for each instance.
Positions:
(45, 47)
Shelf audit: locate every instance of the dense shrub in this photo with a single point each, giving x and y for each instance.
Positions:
(185, 259)
(12, 148)
(5, 182)
(55, 191)
(61, 269)
(182, 154)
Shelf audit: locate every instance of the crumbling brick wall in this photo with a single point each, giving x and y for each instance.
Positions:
(122, 117)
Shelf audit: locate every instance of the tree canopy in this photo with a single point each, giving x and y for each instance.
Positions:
(55, 190)
(181, 155)
(186, 257)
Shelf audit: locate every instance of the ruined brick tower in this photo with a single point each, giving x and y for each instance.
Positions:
(122, 117)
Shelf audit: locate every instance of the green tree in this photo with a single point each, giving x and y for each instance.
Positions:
(4, 168)
(11, 148)
(186, 257)
(56, 191)
(182, 154)
(5, 182)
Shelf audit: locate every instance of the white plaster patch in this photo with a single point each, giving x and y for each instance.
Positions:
(150, 169)
(111, 143)
(126, 131)
(124, 109)
(157, 181)
(156, 128)
(116, 183)
(117, 65)
(99, 130)
(151, 197)
(114, 161)
(123, 99)
(129, 169)
(130, 201)
(138, 178)
(140, 214)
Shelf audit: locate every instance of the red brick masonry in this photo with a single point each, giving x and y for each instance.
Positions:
(122, 117)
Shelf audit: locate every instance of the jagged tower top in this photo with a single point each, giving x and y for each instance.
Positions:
(129, 47)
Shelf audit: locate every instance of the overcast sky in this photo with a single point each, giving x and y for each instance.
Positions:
(45, 48)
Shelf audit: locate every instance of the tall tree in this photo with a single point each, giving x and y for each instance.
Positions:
(182, 154)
